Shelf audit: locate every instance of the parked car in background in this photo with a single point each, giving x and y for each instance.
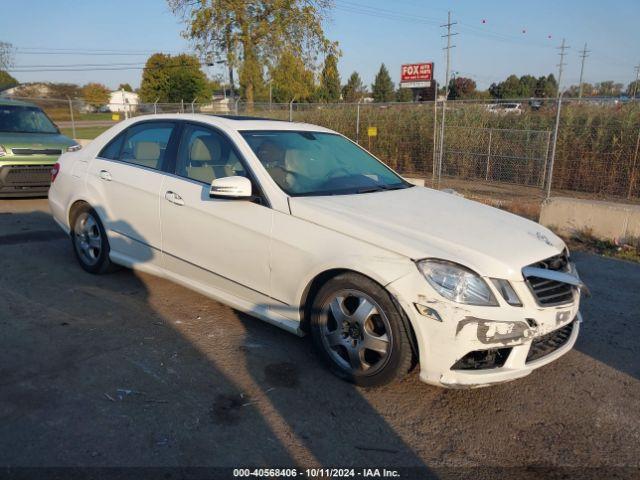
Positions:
(505, 108)
(299, 226)
(30, 145)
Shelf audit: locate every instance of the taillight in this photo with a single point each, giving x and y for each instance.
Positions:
(55, 170)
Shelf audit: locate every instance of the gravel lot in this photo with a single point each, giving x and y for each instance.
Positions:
(132, 370)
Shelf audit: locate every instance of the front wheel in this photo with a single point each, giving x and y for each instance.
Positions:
(359, 331)
(90, 243)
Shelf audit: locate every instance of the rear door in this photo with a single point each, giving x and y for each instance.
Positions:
(127, 177)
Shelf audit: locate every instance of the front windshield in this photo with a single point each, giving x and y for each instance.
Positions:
(19, 119)
(312, 163)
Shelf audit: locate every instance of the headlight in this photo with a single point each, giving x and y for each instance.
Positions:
(3, 152)
(457, 283)
(74, 148)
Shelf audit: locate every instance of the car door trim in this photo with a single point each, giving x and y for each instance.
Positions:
(199, 267)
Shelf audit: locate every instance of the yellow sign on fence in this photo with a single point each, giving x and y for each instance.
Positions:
(115, 117)
(372, 131)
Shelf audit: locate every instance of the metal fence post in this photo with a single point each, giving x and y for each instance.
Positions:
(486, 177)
(441, 153)
(546, 161)
(192, 107)
(435, 139)
(553, 147)
(291, 110)
(155, 106)
(634, 163)
(358, 122)
(236, 105)
(73, 123)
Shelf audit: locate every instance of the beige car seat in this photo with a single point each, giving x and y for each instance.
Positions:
(147, 154)
(205, 160)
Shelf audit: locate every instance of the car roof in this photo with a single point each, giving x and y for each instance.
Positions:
(9, 101)
(235, 122)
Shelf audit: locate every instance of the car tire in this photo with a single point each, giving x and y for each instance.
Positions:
(90, 242)
(359, 331)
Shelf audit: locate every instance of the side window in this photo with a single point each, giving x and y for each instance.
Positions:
(145, 144)
(112, 150)
(205, 155)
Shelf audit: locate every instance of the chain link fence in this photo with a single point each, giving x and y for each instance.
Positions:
(489, 148)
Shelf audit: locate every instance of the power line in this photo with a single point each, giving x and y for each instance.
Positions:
(583, 55)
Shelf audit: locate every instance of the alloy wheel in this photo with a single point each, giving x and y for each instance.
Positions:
(88, 240)
(356, 332)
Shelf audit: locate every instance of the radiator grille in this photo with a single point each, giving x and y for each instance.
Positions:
(549, 343)
(551, 292)
(27, 175)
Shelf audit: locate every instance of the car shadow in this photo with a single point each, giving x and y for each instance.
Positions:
(104, 371)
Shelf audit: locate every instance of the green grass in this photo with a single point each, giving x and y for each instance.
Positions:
(88, 133)
(94, 116)
(584, 240)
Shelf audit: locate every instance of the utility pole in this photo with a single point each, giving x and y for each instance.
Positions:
(448, 48)
(561, 65)
(635, 85)
(583, 55)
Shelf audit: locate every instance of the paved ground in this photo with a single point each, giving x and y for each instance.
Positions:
(127, 369)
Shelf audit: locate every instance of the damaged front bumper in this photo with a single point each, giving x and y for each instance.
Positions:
(465, 346)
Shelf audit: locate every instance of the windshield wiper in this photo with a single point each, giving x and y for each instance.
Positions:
(377, 188)
(399, 187)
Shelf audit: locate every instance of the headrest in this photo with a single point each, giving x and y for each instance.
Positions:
(205, 149)
(147, 151)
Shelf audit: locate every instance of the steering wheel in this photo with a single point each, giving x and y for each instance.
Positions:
(331, 173)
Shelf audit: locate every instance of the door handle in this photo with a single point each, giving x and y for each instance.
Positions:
(174, 198)
(104, 175)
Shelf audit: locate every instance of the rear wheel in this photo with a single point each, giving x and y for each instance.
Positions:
(90, 243)
(360, 332)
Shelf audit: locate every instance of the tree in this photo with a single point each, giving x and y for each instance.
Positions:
(253, 34)
(354, 90)
(291, 79)
(6, 56)
(126, 87)
(6, 81)
(608, 88)
(95, 94)
(546, 87)
(382, 89)
(461, 87)
(329, 90)
(63, 90)
(404, 95)
(172, 79)
(632, 90)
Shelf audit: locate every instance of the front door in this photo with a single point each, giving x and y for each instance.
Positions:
(218, 246)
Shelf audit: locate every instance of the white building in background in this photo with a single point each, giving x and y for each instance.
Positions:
(122, 101)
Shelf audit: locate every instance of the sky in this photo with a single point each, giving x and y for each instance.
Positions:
(494, 38)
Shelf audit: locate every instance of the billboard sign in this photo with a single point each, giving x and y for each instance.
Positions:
(416, 75)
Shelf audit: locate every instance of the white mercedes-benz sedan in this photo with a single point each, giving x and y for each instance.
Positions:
(299, 226)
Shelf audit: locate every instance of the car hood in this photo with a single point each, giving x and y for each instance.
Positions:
(29, 140)
(419, 222)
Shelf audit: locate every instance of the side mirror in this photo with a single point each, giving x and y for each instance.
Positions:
(231, 188)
